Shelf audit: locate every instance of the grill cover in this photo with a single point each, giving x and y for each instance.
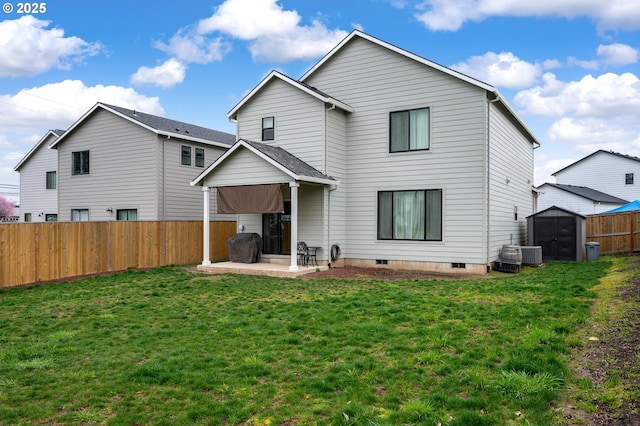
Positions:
(245, 248)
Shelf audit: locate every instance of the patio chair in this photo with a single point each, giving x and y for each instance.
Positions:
(303, 253)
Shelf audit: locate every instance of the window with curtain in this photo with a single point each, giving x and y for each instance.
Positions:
(410, 215)
(127, 214)
(268, 129)
(80, 163)
(51, 180)
(409, 130)
(79, 215)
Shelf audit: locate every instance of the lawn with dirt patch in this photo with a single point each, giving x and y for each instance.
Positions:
(166, 346)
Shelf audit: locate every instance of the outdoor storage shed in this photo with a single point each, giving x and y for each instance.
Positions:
(561, 234)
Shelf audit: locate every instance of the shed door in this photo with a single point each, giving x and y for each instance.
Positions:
(557, 236)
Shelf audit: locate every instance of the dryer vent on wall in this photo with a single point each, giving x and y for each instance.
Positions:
(532, 255)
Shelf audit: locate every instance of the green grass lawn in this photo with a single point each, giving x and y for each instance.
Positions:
(168, 347)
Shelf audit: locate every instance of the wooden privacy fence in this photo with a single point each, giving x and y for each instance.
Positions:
(34, 252)
(617, 233)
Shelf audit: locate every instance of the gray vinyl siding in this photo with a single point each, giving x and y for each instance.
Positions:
(245, 168)
(35, 198)
(511, 180)
(574, 203)
(299, 121)
(376, 81)
(183, 201)
(124, 169)
(335, 199)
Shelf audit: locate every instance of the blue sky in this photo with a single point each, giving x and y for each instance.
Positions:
(570, 68)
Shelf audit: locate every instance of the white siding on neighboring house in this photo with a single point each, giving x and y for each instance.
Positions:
(374, 81)
(551, 196)
(35, 198)
(124, 169)
(510, 184)
(604, 172)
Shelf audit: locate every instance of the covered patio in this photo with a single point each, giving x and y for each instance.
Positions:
(249, 181)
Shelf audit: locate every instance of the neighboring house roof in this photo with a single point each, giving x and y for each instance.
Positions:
(51, 133)
(276, 156)
(588, 193)
(628, 157)
(297, 84)
(160, 126)
(489, 88)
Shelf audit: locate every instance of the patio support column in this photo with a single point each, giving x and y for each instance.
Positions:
(294, 225)
(205, 226)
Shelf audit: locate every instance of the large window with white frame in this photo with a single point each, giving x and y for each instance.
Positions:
(409, 130)
(410, 215)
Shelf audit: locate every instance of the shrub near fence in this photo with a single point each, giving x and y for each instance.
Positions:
(34, 252)
(617, 233)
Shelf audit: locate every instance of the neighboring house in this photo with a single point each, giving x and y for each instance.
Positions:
(616, 176)
(121, 164)
(397, 160)
(578, 199)
(38, 181)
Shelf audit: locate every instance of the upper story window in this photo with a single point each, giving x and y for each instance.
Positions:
(410, 215)
(199, 157)
(127, 214)
(409, 130)
(51, 180)
(185, 155)
(79, 215)
(268, 128)
(628, 178)
(80, 163)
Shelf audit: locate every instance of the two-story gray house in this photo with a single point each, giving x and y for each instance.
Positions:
(38, 181)
(120, 164)
(398, 161)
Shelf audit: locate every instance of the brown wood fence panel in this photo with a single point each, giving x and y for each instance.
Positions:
(35, 252)
(617, 233)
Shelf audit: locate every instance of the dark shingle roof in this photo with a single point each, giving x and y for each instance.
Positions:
(288, 160)
(588, 193)
(176, 127)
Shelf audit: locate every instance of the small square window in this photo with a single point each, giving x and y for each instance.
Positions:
(185, 155)
(51, 217)
(268, 128)
(51, 180)
(409, 130)
(79, 215)
(628, 178)
(27, 217)
(199, 157)
(80, 163)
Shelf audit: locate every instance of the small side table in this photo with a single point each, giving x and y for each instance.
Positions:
(313, 250)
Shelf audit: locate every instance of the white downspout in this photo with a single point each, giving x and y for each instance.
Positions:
(294, 225)
(206, 259)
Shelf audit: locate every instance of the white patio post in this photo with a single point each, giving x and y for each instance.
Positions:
(205, 226)
(294, 225)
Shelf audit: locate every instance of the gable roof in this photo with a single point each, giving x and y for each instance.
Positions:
(158, 125)
(297, 84)
(277, 157)
(50, 134)
(489, 88)
(557, 208)
(600, 151)
(588, 193)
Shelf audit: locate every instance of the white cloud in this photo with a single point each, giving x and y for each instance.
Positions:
(608, 95)
(58, 105)
(275, 34)
(450, 15)
(170, 73)
(27, 48)
(590, 131)
(191, 47)
(500, 69)
(617, 54)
